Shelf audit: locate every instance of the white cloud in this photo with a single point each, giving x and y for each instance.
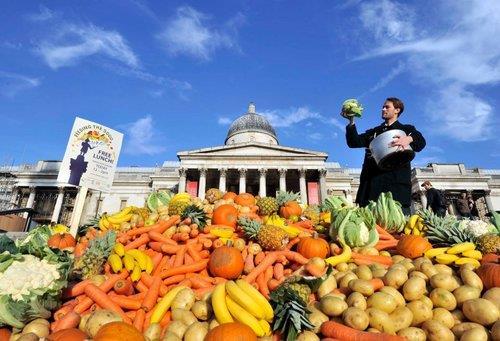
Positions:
(286, 118)
(337, 123)
(315, 136)
(75, 42)
(43, 14)
(189, 33)
(224, 121)
(142, 137)
(393, 73)
(12, 83)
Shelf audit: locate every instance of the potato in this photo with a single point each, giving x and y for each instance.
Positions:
(369, 251)
(344, 282)
(382, 301)
(153, 332)
(408, 265)
(178, 328)
(443, 269)
(414, 288)
(475, 334)
(399, 266)
(420, 261)
(495, 331)
(316, 317)
(469, 277)
(338, 276)
(332, 306)
(427, 301)
(458, 316)
(420, 274)
(467, 266)
(436, 331)
(184, 316)
(196, 331)
(493, 295)
(443, 298)
(397, 258)
(373, 330)
(307, 336)
(428, 269)
(481, 311)
(363, 272)
(356, 300)
(445, 281)
(342, 267)
(37, 327)
(98, 318)
(385, 253)
(83, 322)
(402, 318)
(466, 292)
(356, 318)
(169, 336)
(213, 324)
(376, 266)
(412, 334)
(395, 278)
(461, 328)
(202, 310)
(184, 299)
(351, 266)
(400, 300)
(327, 286)
(379, 273)
(421, 312)
(380, 320)
(362, 286)
(444, 316)
(28, 337)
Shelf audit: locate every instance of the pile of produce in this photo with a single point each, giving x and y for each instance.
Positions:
(236, 266)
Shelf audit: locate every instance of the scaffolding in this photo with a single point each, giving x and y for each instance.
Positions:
(7, 184)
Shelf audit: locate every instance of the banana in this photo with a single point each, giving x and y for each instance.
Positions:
(407, 230)
(102, 224)
(291, 231)
(179, 197)
(413, 221)
(461, 247)
(476, 254)
(222, 232)
(118, 220)
(258, 297)
(266, 327)
(244, 316)
(446, 258)
(239, 296)
(416, 231)
(149, 264)
(139, 256)
(136, 273)
(123, 212)
(162, 307)
(434, 252)
(116, 262)
(129, 262)
(342, 258)
(119, 249)
(465, 260)
(219, 304)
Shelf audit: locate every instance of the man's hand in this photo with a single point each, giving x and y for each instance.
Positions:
(402, 142)
(350, 118)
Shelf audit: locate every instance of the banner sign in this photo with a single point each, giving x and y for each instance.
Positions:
(312, 193)
(91, 156)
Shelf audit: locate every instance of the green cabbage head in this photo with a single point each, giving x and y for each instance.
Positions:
(352, 107)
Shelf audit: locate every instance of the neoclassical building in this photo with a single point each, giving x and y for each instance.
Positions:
(250, 160)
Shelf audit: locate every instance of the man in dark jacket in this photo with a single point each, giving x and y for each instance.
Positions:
(374, 180)
(435, 200)
(463, 206)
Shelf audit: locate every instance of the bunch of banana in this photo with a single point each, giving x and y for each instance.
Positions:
(180, 197)
(222, 232)
(458, 254)
(135, 261)
(415, 225)
(118, 221)
(240, 301)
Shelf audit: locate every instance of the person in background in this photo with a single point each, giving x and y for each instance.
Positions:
(463, 206)
(373, 180)
(435, 200)
(472, 206)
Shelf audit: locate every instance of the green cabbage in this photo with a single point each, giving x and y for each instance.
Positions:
(354, 227)
(352, 107)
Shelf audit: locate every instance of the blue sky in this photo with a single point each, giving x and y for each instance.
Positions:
(173, 75)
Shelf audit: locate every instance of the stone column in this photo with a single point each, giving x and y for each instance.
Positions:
(303, 186)
(182, 180)
(243, 180)
(322, 185)
(222, 179)
(58, 205)
(31, 200)
(348, 195)
(282, 172)
(203, 183)
(423, 199)
(262, 182)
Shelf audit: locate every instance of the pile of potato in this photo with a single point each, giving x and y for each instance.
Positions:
(420, 301)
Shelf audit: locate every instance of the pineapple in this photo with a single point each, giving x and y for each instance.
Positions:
(489, 243)
(92, 261)
(267, 205)
(176, 208)
(444, 231)
(284, 197)
(213, 194)
(312, 213)
(268, 236)
(196, 215)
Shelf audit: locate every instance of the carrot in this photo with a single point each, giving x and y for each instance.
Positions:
(385, 245)
(292, 243)
(157, 257)
(123, 287)
(165, 224)
(344, 333)
(273, 283)
(152, 294)
(217, 243)
(158, 237)
(76, 289)
(202, 291)
(174, 279)
(188, 259)
(249, 264)
(131, 314)
(125, 302)
(204, 254)
(70, 320)
(259, 257)
(148, 281)
(63, 311)
(85, 302)
(141, 286)
(166, 319)
(383, 232)
(179, 256)
(294, 256)
(194, 233)
(147, 320)
(384, 260)
(197, 283)
(314, 270)
(187, 283)
(183, 269)
(139, 319)
(193, 253)
(262, 283)
(143, 239)
(161, 265)
(266, 262)
(207, 243)
(278, 271)
(100, 297)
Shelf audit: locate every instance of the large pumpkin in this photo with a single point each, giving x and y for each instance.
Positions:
(412, 246)
(234, 331)
(229, 196)
(71, 334)
(244, 199)
(290, 208)
(489, 271)
(226, 262)
(225, 215)
(118, 331)
(313, 247)
(62, 241)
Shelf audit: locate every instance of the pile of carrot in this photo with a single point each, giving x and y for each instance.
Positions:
(386, 240)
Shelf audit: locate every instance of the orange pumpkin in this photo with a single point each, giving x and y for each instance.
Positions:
(244, 199)
(290, 208)
(231, 331)
(229, 196)
(490, 275)
(71, 334)
(226, 262)
(225, 215)
(412, 246)
(118, 331)
(62, 241)
(314, 246)
(5, 334)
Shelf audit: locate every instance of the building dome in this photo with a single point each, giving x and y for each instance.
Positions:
(251, 127)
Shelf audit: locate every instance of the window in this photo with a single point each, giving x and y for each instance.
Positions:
(123, 203)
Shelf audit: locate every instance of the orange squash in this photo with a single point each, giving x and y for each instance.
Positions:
(489, 274)
(229, 196)
(412, 246)
(225, 215)
(71, 334)
(245, 199)
(290, 208)
(62, 241)
(231, 331)
(5, 334)
(118, 331)
(313, 247)
(226, 262)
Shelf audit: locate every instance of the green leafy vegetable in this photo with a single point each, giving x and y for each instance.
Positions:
(388, 213)
(354, 227)
(352, 107)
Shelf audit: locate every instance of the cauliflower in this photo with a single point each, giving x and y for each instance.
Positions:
(352, 107)
(477, 227)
